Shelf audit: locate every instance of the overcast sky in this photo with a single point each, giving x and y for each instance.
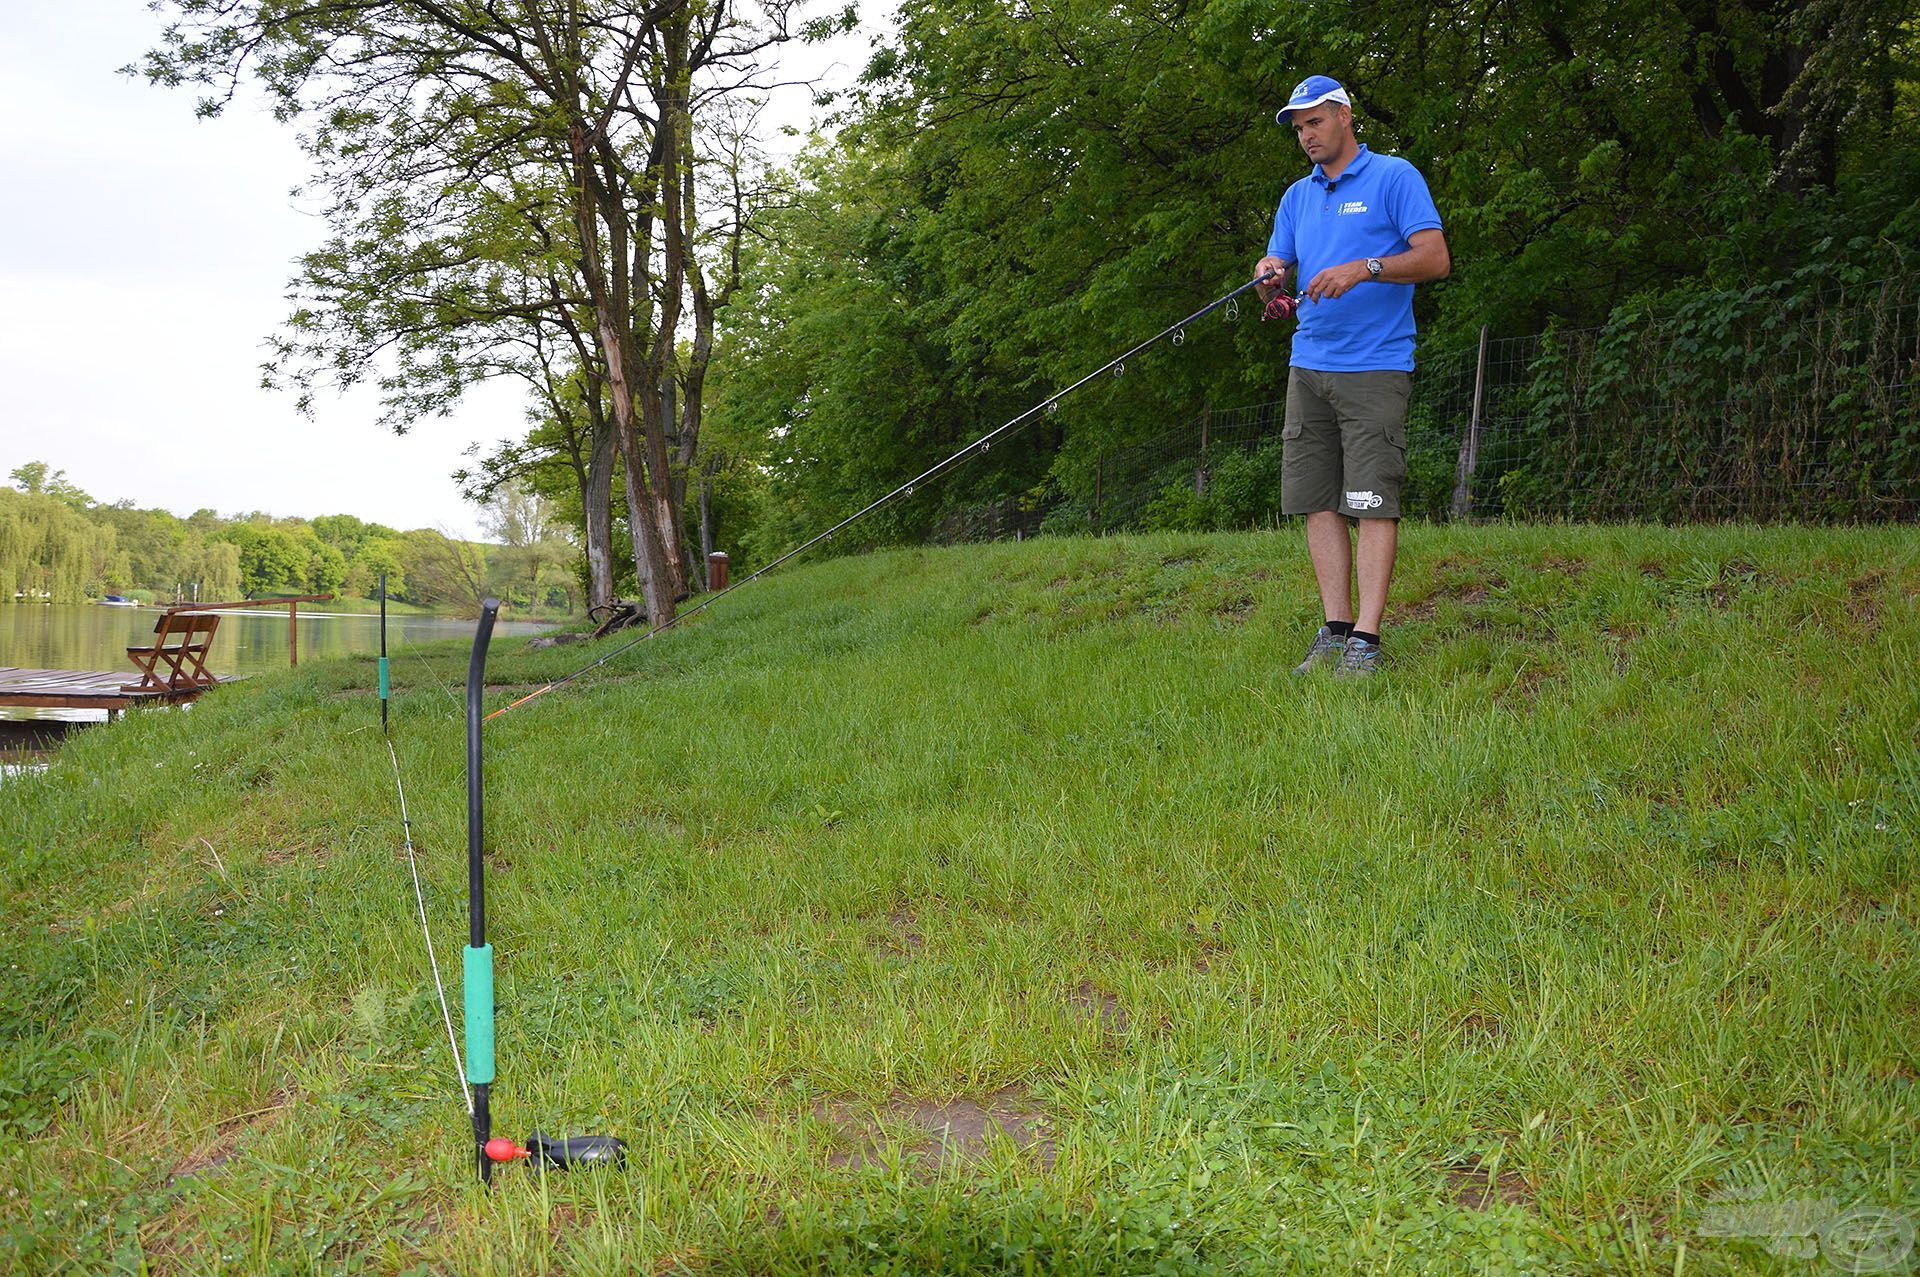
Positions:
(144, 256)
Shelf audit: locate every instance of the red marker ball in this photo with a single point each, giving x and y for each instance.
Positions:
(501, 1149)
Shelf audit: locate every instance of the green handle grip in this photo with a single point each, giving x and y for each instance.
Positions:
(383, 678)
(479, 1001)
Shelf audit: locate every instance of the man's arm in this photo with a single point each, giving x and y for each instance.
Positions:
(1425, 260)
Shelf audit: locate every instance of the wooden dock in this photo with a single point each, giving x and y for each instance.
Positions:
(82, 689)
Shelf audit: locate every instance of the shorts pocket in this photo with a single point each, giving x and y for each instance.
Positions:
(1291, 430)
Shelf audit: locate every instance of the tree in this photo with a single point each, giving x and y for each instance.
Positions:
(51, 551)
(36, 477)
(326, 569)
(213, 572)
(442, 570)
(376, 555)
(501, 177)
(531, 547)
(272, 560)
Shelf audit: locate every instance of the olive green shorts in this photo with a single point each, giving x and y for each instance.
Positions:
(1344, 445)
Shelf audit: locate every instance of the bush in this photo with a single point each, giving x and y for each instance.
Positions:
(1243, 490)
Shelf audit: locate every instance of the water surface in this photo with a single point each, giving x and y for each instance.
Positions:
(86, 636)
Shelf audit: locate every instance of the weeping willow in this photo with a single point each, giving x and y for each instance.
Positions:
(51, 553)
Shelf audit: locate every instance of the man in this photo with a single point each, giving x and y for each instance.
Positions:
(1360, 231)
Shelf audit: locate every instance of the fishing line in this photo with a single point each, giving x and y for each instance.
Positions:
(420, 898)
(413, 861)
(1116, 365)
(420, 659)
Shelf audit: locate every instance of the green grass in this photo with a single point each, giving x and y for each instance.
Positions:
(1595, 913)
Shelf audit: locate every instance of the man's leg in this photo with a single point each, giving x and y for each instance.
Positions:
(1379, 540)
(1373, 414)
(1310, 486)
(1332, 553)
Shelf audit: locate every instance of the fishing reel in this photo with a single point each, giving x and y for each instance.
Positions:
(1282, 305)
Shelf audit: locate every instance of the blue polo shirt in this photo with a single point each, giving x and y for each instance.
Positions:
(1370, 210)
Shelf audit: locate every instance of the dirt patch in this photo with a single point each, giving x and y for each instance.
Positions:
(1476, 1190)
(1653, 569)
(1210, 943)
(562, 1216)
(936, 1133)
(1096, 1006)
(1621, 638)
(1482, 1028)
(1863, 605)
(1470, 586)
(903, 937)
(287, 853)
(229, 1133)
(1235, 610)
(1555, 563)
(1525, 686)
(169, 1250)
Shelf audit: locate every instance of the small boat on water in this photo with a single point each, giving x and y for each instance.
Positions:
(119, 600)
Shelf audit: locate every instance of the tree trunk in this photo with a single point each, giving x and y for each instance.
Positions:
(608, 316)
(596, 498)
(706, 512)
(673, 152)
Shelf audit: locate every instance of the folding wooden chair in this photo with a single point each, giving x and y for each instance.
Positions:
(176, 660)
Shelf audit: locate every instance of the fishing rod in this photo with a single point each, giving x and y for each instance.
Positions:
(477, 987)
(1281, 305)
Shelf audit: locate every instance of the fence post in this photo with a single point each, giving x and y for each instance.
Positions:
(1470, 441)
(1099, 474)
(1200, 470)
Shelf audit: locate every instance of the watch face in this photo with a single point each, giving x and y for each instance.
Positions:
(1373, 266)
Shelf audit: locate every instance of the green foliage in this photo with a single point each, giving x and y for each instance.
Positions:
(1242, 491)
(273, 560)
(52, 551)
(64, 549)
(1018, 192)
(1790, 399)
(38, 478)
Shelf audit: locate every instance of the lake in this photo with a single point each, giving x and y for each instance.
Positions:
(85, 636)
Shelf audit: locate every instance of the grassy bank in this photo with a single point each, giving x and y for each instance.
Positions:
(1595, 915)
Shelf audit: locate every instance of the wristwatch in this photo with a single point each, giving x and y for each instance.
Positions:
(1373, 268)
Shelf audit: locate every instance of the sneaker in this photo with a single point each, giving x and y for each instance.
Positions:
(1358, 659)
(1325, 651)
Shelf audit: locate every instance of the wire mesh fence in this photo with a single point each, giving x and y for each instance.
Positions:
(1772, 404)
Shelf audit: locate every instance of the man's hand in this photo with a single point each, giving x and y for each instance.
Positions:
(1336, 280)
(1279, 266)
